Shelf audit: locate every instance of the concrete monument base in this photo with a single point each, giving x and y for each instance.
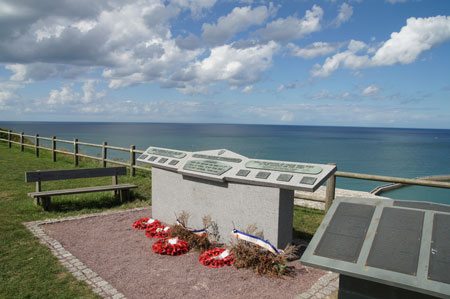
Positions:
(270, 209)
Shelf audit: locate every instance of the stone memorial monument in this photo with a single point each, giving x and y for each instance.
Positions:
(234, 190)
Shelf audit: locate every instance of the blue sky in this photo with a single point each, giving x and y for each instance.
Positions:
(343, 63)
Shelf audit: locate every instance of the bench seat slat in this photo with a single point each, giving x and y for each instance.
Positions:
(81, 190)
(65, 174)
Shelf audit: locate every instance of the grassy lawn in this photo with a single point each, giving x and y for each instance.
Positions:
(27, 268)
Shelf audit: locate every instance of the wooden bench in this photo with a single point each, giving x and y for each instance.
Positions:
(43, 197)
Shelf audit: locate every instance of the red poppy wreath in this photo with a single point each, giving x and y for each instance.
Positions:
(216, 258)
(158, 231)
(170, 246)
(146, 223)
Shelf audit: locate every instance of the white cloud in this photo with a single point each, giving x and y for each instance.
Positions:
(418, 36)
(284, 29)
(239, 19)
(247, 89)
(371, 90)
(195, 6)
(9, 97)
(237, 66)
(315, 49)
(404, 47)
(345, 12)
(67, 96)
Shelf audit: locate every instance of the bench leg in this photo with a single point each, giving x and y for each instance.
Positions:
(124, 195)
(45, 201)
(37, 201)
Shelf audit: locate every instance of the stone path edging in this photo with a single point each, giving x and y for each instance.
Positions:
(79, 270)
(324, 287)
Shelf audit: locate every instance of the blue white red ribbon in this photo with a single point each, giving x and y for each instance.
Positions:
(255, 240)
(194, 231)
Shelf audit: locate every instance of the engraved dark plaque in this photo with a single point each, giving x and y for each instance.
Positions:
(143, 157)
(243, 172)
(284, 177)
(307, 180)
(207, 166)
(173, 162)
(439, 267)
(162, 160)
(217, 158)
(397, 242)
(422, 205)
(262, 175)
(345, 234)
(166, 153)
(153, 158)
(284, 167)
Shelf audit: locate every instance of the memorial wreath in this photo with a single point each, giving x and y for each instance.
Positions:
(158, 231)
(146, 223)
(171, 246)
(216, 258)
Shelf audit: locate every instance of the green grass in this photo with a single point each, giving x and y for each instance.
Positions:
(27, 268)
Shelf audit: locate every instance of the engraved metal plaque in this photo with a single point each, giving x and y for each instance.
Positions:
(207, 166)
(345, 235)
(308, 180)
(173, 162)
(262, 175)
(217, 158)
(166, 153)
(143, 156)
(397, 241)
(440, 249)
(162, 160)
(153, 158)
(284, 167)
(284, 177)
(243, 172)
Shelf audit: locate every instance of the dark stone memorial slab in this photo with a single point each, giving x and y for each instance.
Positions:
(397, 242)
(284, 167)
(396, 250)
(153, 158)
(174, 162)
(346, 232)
(217, 158)
(162, 160)
(262, 175)
(308, 180)
(243, 172)
(143, 156)
(422, 205)
(284, 177)
(440, 249)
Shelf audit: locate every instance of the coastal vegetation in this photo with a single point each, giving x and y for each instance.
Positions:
(27, 268)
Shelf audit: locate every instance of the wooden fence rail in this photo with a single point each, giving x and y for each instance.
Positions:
(131, 164)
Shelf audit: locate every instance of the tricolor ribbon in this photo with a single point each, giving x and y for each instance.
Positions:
(255, 240)
(197, 232)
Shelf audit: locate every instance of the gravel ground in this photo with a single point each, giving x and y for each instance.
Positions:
(122, 255)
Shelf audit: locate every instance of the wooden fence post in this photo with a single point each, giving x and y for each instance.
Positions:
(21, 141)
(36, 145)
(75, 152)
(132, 160)
(9, 138)
(104, 153)
(54, 148)
(330, 191)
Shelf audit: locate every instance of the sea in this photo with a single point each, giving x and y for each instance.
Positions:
(397, 152)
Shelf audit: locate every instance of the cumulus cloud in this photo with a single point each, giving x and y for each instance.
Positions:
(404, 47)
(247, 89)
(284, 29)
(66, 95)
(9, 96)
(345, 12)
(237, 66)
(239, 19)
(314, 50)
